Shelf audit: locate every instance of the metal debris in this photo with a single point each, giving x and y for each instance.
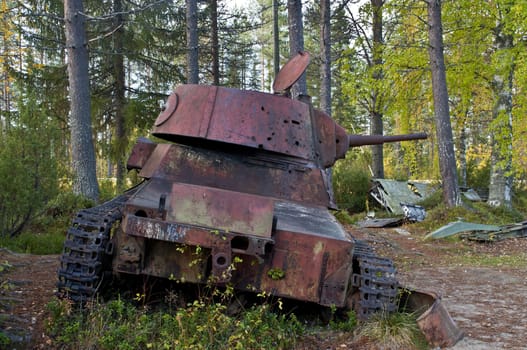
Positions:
(471, 195)
(456, 227)
(413, 212)
(518, 230)
(378, 223)
(391, 193)
(435, 322)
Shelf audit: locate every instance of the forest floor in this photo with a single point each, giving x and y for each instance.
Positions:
(489, 303)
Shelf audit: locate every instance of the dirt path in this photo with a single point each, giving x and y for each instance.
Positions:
(488, 304)
(29, 286)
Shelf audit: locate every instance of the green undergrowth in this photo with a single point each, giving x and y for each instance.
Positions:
(35, 243)
(46, 233)
(5, 286)
(120, 324)
(207, 324)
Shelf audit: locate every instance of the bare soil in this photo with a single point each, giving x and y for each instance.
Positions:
(488, 303)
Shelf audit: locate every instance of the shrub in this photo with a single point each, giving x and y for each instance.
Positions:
(203, 324)
(351, 183)
(28, 168)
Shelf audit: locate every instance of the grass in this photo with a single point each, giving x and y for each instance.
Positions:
(35, 243)
(483, 260)
(46, 233)
(393, 331)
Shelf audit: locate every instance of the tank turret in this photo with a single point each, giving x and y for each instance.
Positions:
(197, 114)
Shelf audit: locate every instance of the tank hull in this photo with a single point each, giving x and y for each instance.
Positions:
(193, 221)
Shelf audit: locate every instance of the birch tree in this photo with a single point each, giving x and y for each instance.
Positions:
(447, 159)
(501, 178)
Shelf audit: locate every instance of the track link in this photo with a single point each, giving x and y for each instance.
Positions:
(376, 281)
(87, 250)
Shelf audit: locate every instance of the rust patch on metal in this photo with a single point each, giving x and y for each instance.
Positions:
(141, 152)
(196, 236)
(435, 322)
(291, 71)
(154, 162)
(247, 118)
(277, 178)
(222, 210)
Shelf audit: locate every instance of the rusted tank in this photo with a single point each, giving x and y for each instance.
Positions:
(238, 195)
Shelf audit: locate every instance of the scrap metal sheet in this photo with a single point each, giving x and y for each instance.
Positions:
(391, 193)
(456, 227)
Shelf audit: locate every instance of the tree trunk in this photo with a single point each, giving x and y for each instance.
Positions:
(447, 158)
(376, 114)
(500, 187)
(215, 43)
(296, 41)
(119, 97)
(192, 42)
(325, 53)
(82, 150)
(276, 39)
(462, 152)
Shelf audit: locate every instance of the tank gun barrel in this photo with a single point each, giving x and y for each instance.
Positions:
(361, 140)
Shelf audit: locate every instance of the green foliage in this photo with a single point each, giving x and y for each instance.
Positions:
(346, 324)
(107, 189)
(351, 183)
(433, 200)
(520, 201)
(478, 167)
(28, 171)
(201, 325)
(276, 274)
(4, 340)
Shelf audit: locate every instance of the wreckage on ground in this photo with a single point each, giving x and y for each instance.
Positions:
(239, 195)
(480, 232)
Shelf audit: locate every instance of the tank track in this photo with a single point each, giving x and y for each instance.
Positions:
(87, 250)
(375, 280)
